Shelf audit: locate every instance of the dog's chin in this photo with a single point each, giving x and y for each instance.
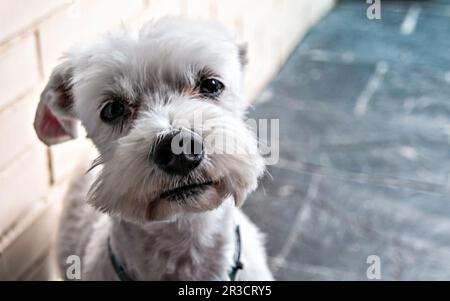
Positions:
(186, 199)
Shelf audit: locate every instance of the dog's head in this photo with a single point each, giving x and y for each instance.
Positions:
(164, 107)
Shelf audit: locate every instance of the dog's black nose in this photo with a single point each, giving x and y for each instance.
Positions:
(179, 152)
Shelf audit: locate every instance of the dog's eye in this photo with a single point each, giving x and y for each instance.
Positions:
(211, 87)
(112, 110)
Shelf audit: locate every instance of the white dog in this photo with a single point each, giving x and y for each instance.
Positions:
(160, 104)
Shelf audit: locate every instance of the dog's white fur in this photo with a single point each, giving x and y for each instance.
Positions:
(156, 71)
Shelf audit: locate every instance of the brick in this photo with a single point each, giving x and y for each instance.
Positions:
(81, 21)
(30, 240)
(16, 127)
(228, 14)
(155, 9)
(45, 269)
(22, 183)
(199, 9)
(69, 157)
(19, 69)
(17, 15)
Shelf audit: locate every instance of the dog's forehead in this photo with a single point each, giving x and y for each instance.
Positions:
(183, 55)
(168, 46)
(187, 35)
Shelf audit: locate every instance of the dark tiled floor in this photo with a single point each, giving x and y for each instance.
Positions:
(364, 164)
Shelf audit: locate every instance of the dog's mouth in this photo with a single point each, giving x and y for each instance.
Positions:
(185, 191)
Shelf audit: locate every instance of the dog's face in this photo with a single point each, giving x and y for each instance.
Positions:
(165, 109)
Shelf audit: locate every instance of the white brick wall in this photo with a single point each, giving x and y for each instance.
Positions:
(25, 12)
(25, 179)
(81, 20)
(19, 68)
(34, 34)
(16, 127)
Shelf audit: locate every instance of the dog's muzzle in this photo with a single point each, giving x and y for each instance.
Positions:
(178, 152)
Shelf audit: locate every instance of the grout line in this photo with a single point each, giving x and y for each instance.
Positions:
(40, 61)
(372, 85)
(321, 55)
(303, 214)
(19, 98)
(51, 176)
(410, 22)
(5, 42)
(19, 155)
(28, 218)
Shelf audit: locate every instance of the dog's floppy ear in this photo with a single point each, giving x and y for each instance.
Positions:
(55, 120)
(243, 49)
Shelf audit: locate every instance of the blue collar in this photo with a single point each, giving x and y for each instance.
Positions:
(238, 265)
(118, 268)
(123, 276)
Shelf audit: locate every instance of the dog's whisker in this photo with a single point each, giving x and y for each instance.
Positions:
(100, 160)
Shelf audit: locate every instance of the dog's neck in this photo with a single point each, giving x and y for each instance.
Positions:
(195, 246)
